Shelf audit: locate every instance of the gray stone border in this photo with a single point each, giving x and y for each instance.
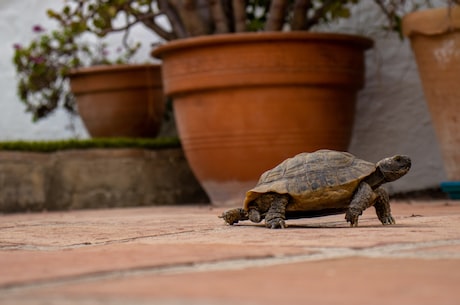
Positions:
(96, 178)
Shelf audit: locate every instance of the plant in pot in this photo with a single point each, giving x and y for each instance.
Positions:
(246, 93)
(113, 97)
(434, 34)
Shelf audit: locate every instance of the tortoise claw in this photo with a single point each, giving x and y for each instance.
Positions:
(389, 220)
(354, 224)
(276, 223)
(352, 217)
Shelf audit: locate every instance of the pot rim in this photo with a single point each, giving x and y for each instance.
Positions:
(435, 21)
(113, 67)
(232, 38)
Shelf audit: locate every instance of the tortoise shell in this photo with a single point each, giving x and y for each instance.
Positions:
(322, 182)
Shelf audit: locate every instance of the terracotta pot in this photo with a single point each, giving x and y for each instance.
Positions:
(435, 41)
(119, 100)
(245, 102)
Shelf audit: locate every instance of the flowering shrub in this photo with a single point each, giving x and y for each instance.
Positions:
(43, 66)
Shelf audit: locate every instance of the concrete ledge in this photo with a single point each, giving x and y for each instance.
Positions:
(95, 178)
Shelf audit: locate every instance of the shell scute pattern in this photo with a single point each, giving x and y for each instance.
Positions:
(313, 178)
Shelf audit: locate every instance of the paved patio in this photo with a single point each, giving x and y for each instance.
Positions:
(186, 255)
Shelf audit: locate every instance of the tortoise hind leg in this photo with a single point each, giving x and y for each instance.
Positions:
(234, 215)
(382, 207)
(277, 212)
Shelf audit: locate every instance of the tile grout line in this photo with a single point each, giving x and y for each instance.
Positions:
(385, 251)
(88, 244)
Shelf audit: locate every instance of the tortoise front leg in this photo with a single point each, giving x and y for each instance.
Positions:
(382, 207)
(362, 199)
(234, 215)
(277, 212)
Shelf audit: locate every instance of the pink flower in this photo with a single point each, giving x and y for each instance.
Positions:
(38, 28)
(17, 46)
(37, 59)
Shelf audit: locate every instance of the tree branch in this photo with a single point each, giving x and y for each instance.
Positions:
(276, 15)
(299, 17)
(189, 14)
(138, 18)
(221, 24)
(239, 15)
(173, 17)
(148, 20)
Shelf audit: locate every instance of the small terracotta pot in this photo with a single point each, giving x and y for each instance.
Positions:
(245, 102)
(119, 100)
(435, 41)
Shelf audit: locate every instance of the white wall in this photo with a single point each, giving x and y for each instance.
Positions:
(16, 21)
(391, 113)
(392, 116)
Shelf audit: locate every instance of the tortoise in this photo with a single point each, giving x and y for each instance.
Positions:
(324, 182)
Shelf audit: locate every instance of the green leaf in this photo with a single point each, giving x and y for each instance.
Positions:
(66, 10)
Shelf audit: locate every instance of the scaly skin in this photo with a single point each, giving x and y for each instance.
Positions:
(276, 215)
(234, 215)
(382, 207)
(365, 197)
(362, 199)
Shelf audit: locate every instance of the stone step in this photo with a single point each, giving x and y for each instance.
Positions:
(96, 178)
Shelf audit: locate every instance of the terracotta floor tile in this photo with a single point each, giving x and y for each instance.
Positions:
(186, 255)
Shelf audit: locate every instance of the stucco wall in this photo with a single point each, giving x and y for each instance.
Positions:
(391, 115)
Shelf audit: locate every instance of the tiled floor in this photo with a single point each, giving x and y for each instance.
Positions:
(187, 255)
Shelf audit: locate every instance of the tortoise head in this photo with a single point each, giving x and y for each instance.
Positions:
(394, 167)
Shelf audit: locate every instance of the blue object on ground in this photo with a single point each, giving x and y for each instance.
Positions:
(452, 188)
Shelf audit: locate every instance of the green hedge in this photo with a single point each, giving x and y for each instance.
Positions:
(51, 146)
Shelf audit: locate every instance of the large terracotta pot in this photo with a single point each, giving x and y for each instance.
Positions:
(435, 41)
(245, 102)
(119, 100)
